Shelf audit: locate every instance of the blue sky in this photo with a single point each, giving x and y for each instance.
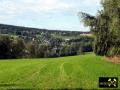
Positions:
(48, 14)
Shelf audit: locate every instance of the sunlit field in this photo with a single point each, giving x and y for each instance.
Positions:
(74, 72)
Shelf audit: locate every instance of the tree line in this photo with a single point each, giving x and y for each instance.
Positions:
(12, 47)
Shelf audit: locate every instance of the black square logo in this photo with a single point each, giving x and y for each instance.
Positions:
(108, 82)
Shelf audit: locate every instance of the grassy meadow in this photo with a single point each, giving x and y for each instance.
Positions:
(74, 72)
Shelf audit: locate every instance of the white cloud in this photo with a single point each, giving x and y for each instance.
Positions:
(23, 6)
(16, 10)
(18, 7)
(12, 8)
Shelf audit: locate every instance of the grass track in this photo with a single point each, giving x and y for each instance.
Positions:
(75, 72)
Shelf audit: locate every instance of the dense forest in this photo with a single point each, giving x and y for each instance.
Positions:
(105, 27)
(24, 42)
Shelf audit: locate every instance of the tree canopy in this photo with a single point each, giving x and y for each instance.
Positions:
(105, 27)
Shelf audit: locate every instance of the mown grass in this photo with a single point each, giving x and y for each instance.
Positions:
(75, 72)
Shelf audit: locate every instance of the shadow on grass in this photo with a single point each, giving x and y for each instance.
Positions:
(45, 89)
(7, 84)
(10, 86)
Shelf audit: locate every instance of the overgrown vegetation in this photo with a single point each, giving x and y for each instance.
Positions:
(105, 27)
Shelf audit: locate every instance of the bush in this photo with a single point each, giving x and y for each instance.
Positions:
(113, 51)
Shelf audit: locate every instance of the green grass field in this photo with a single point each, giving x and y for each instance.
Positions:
(75, 72)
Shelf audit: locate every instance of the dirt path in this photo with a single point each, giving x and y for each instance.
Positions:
(114, 59)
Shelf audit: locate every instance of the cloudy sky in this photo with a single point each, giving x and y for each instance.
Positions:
(49, 14)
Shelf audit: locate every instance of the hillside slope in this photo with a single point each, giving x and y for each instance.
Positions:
(76, 72)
